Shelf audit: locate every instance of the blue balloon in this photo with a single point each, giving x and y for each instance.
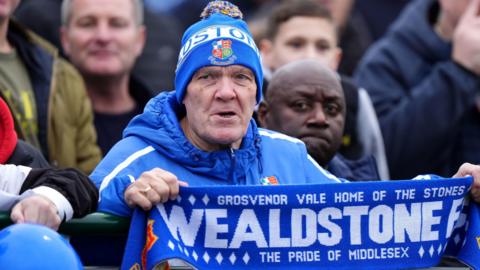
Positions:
(32, 246)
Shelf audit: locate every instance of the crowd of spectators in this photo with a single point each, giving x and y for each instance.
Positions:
(376, 90)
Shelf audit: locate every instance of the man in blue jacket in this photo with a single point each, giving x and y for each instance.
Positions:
(203, 133)
(424, 80)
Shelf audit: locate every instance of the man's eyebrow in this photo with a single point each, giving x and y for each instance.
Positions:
(204, 70)
(243, 69)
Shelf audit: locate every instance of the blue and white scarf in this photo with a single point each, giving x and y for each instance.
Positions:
(402, 224)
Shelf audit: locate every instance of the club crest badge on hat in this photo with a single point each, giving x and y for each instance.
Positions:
(222, 49)
(222, 52)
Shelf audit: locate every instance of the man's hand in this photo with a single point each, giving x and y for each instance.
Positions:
(466, 38)
(151, 188)
(36, 209)
(474, 171)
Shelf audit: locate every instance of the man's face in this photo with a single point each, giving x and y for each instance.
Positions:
(312, 111)
(7, 7)
(102, 38)
(302, 38)
(219, 102)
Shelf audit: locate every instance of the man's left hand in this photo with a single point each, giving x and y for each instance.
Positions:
(474, 171)
(36, 209)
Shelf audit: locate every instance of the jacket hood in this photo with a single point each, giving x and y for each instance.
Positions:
(159, 126)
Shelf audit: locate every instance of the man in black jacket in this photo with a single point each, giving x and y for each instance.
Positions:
(38, 193)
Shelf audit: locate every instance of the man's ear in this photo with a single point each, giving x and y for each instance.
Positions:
(266, 46)
(141, 40)
(64, 40)
(262, 113)
(337, 58)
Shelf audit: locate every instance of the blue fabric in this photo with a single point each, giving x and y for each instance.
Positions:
(425, 102)
(465, 242)
(199, 42)
(402, 224)
(362, 169)
(155, 139)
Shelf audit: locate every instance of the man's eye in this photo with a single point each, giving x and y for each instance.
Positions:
(204, 77)
(300, 106)
(295, 44)
(242, 76)
(323, 46)
(332, 109)
(118, 23)
(86, 23)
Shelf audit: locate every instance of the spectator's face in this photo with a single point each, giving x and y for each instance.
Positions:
(7, 7)
(102, 38)
(302, 38)
(219, 102)
(309, 107)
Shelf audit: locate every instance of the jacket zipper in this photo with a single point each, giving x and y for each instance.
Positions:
(232, 167)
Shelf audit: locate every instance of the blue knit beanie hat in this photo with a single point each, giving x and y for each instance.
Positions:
(221, 38)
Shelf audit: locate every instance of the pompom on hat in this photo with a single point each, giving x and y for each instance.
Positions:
(8, 136)
(221, 38)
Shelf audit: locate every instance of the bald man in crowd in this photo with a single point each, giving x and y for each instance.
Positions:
(305, 100)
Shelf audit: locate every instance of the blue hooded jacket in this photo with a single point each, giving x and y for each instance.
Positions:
(155, 139)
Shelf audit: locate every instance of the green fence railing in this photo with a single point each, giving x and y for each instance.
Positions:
(98, 238)
(92, 224)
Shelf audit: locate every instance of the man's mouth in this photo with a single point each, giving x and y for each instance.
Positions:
(314, 137)
(226, 114)
(101, 53)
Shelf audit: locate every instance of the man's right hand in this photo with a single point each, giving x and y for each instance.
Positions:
(153, 187)
(466, 38)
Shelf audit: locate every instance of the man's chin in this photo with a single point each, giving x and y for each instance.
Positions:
(103, 70)
(322, 155)
(315, 142)
(226, 139)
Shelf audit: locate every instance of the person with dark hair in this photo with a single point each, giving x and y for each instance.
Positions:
(424, 80)
(304, 29)
(305, 100)
(33, 191)
(46, 95)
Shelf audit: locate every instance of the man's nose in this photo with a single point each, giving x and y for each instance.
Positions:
(311, 52)
(318, 116)
(103, 32)
(225, 89)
